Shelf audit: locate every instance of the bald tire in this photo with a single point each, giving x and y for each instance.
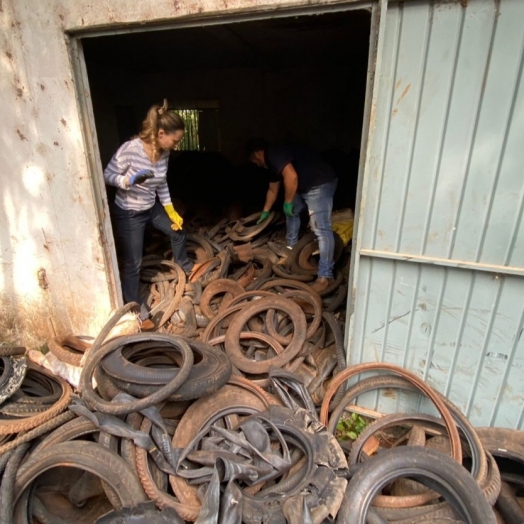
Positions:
(435, 469)
(87, 456)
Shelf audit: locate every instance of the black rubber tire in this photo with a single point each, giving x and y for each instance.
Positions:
(508, 506)
(479, 468)
(76, 428)
(123, 408)
(11, 351)
(140, 514)
(37, 432)
(15, 369)
(210, 373)
(435, 469)
(88, 456)
(6, 371)
(503, 442)
(4, 458)
(332, 322)
(490, 485)
(442, 510)
(38, 382)
(332, 303)
(7, 487)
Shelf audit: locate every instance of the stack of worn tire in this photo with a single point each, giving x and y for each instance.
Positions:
(195, 442)
(189, 426)
(244, 253)
(229, 412)
(439, 470)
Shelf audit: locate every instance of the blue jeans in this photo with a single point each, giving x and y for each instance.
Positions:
(130, 227)
(319, 201)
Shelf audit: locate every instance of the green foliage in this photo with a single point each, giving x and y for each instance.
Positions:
(190, 142)
(349, 428)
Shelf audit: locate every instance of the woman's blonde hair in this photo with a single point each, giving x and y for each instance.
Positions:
(160, 117)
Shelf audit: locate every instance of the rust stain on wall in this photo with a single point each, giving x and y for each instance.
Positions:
(42, 278)
(404, 93)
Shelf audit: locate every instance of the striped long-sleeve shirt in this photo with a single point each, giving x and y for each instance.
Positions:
(128, 160)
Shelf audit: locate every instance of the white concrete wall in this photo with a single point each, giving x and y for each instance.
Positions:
(48, 216)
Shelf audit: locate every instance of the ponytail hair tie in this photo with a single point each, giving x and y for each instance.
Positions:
(163, 109)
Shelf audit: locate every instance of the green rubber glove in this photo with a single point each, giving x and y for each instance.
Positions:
(288, 209)
(263, 217)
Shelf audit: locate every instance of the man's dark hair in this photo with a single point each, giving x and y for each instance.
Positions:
(255, 144)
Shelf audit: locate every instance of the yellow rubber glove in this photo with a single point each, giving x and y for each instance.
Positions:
(177, 220)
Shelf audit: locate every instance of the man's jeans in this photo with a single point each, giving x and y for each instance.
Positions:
(319, 201)
(130, 227)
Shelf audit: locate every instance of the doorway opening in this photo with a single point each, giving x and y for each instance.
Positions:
(299, 79)
(294, 79)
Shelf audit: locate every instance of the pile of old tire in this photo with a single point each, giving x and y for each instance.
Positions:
(109, 455)
(242, 253)
(150, 431)
(214, 417)
(379, 484)
(507, 447)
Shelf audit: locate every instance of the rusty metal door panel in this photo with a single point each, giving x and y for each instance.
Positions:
(460, 330)
(447, 127)
(439, 270)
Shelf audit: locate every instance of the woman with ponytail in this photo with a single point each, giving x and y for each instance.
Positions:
(138, 169)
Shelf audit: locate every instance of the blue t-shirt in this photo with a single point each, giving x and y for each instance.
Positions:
(312, 171)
